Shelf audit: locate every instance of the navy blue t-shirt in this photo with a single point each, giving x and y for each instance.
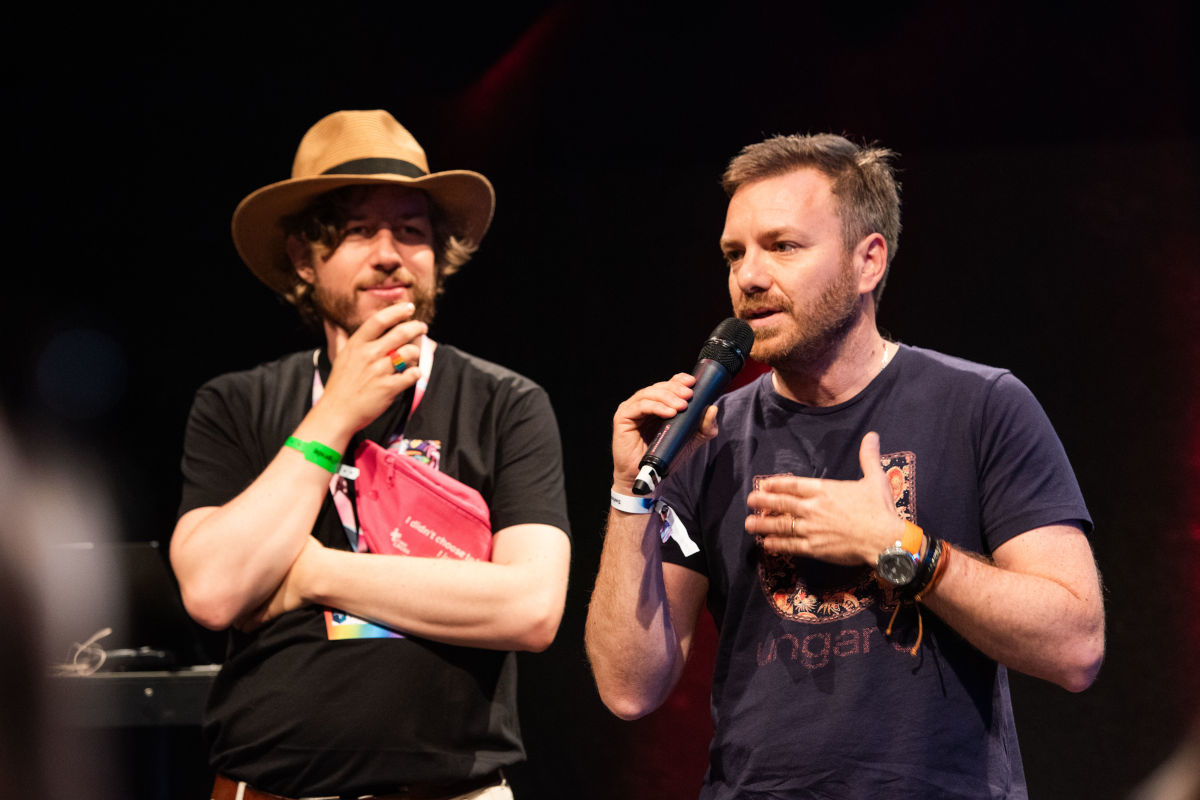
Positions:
(810, 697)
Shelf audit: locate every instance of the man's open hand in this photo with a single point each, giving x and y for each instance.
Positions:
(842, 522)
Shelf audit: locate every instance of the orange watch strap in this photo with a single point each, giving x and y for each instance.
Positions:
(914, 537)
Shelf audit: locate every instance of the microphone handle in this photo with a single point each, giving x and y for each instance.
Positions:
(711, 379)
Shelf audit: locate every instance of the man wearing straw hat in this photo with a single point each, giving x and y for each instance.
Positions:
(355, 673)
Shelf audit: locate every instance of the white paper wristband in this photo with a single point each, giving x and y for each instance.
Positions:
(630, 504)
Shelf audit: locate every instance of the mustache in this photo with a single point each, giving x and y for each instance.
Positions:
(749, 308)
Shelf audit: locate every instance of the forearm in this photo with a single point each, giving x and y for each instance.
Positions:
(514, 602)
(1046, 620)
(635, 650)
(641, 616)
(229, 559)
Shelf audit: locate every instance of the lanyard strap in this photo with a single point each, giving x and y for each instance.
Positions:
(340, 487)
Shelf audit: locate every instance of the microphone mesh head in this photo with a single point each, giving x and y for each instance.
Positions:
(729, 344)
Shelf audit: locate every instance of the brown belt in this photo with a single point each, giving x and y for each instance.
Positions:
(227, 789)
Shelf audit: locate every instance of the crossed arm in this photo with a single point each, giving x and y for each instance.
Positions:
(254, 558)
(1036, 606)
(513, 602)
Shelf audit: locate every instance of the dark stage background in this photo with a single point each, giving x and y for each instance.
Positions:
(1049, 166)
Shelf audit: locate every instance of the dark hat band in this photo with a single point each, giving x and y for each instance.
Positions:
(375, 166)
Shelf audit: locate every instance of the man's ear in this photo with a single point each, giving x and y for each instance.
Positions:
(870, 258)
(300, 253)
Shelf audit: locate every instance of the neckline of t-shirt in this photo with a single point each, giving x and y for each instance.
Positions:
(882, 379)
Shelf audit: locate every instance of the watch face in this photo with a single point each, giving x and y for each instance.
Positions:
(897, 566)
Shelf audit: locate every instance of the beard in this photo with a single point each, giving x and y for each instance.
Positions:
(810, 333)
(342, 309)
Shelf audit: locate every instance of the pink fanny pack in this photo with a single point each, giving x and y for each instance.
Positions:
(408, 508)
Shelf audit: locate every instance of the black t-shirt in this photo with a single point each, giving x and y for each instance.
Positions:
(810, 697)
(296, 714)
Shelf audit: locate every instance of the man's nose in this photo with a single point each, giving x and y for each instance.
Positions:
(751, 273)
(385, 251)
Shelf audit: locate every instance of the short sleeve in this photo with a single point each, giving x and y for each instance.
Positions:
(529, 470)
(681, 490)
(237, 424)
(217, 464)
(1026, 480)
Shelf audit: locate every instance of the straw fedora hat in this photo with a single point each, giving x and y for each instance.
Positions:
(353, 148)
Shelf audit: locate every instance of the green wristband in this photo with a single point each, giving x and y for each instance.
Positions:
(324, 457)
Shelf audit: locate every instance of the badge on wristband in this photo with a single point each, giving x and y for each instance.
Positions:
(670, 526)
(630, 504)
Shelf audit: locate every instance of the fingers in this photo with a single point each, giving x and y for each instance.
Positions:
(773, 524)
(776, 492)
(401, 334)
(376, 361)
(407, 354)
(387, 331)
(708, 426)
(639, 418)
(872, 466)
(798, 535)
(687, 379)
(677, 390)
(782, 534)
(663, 399)
(868, 455)
(384, 319)
(364, 380)
(641, 406)
(839, 521)
(787, 546)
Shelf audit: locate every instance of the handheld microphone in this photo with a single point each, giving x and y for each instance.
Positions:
(722, 357)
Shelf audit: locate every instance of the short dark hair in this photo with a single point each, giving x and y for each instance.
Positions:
(864, 184)
(320, 224)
